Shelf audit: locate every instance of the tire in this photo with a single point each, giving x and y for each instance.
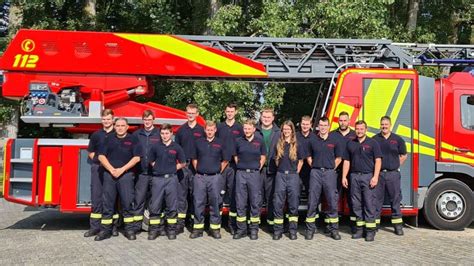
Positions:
(449, 205)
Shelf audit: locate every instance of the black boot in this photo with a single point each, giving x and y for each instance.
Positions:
(253, 234)
(91, 232)
(277, 236)
(293, 236)
(130, 235)
(359, 233)
(370, 235)
(398, 229)
(216, 233)
(239, 235)
(195, 234)
(171, 235)
(152, 235)
(308, 235)
(115, 230)
(102, 235)
(335, 235)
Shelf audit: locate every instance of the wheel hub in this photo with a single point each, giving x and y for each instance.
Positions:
(450, 205)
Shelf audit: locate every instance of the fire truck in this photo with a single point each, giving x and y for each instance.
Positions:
(65, 78)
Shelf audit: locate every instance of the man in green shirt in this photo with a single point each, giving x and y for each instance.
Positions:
(270, 134)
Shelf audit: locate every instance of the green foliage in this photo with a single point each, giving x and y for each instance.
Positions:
(226, 21)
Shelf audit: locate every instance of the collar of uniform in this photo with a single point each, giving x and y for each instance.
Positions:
(153, 132)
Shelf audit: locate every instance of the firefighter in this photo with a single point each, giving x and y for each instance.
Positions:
(119, 154)
(250, 158)
(229, 131)
(362, 159)
(270, 134)
(394, 154)
(303, 137)
(210, 160)
(166, 158)
(289, 160)
(325, 152)
(344, 133)
(147, 136)
(186, 137)
(97, 172)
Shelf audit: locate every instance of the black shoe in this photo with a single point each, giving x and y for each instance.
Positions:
(162, 232)
(152, 235)
(115, 231)
(358, 234)
(335, 235)
(195, 234)
(353, 229)
(238, 235)
(130, 235)
(171, 235)
(370, 236)
(91, 233)
(216, 234)
(231, 230)
(102, 236)
(398, 230)
(308, 235)
(276, 236)
(179, 228)
(293, 236)
(253, 235)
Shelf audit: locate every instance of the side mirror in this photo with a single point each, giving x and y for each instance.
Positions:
(470, 100)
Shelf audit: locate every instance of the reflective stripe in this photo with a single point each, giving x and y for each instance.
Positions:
(326, 220)
(162, 215)
(181, 215)
(287, 216)
(220, 213)
(360, 223)
(353, 218)
(278, 221)
(215, 226)
(106, 221)
(172, 220)
(310, 219)
(155, 221)
(333, 220)
(397, 220)
(370, 225)
(116, 216)
(138, 218)
(241, 219)
(293, 219)
(377, 221)
(317, 216)
(270, 222)
(256, 220)
(128, 220)
(96, 215)
(232, 214)
(192, 216)
(198, 226)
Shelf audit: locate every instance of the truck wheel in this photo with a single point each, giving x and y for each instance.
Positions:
(449, 205)
(146, 220)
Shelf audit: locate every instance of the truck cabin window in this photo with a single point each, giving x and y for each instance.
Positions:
(467, 111)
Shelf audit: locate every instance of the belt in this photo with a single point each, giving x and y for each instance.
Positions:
(213, 174)
(387, 170)
(287, 172)
(323, 168)
(166, 175)
(360, 173)
(249, 170)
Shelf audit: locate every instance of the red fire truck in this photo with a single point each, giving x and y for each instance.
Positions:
(65, 79)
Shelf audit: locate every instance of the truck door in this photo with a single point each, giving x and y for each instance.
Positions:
(458, 137)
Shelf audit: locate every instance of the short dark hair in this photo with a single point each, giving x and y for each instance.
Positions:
(107, 112)
(344, 113)
(361, 122)
(147, 113)
(192, 106)
(121, 119)
(324, 119)
(166, 126)
(386, 117)
(232, 105)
